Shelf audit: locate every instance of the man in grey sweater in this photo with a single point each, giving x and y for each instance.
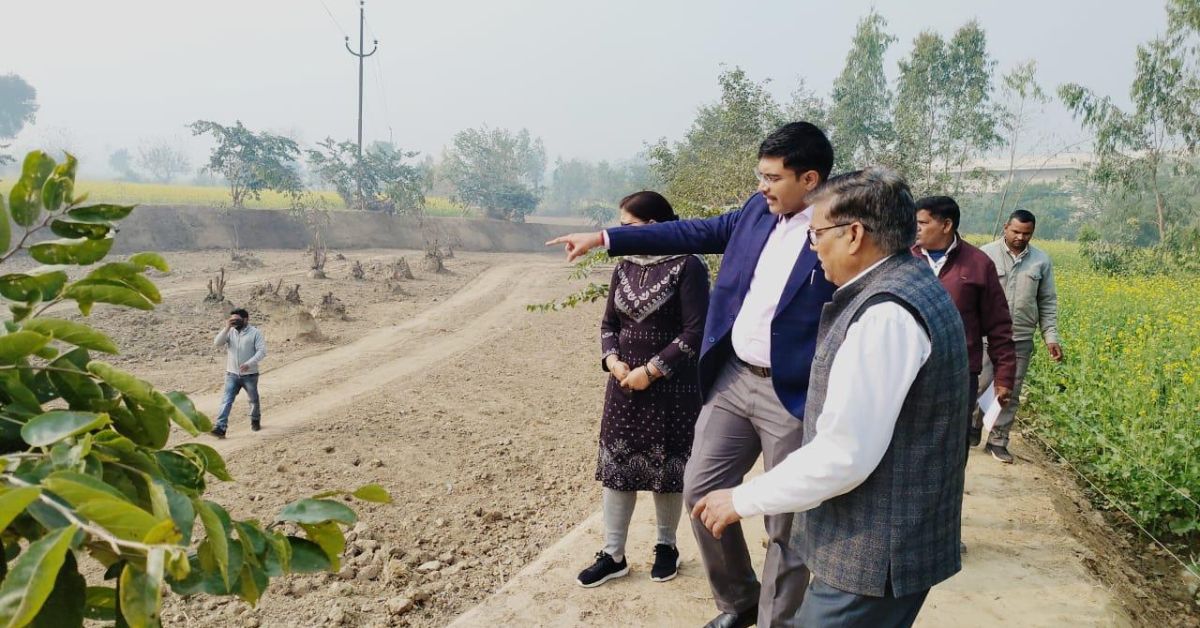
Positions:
(245, 348)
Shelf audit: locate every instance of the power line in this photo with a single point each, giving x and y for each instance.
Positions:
(379, 78)
(334, 19)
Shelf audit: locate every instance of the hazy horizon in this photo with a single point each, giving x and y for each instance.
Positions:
(595, 82)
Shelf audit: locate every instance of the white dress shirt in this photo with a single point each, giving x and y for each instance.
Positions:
(752, 328)
(868, 381)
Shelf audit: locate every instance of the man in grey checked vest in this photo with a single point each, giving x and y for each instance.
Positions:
(1027, 276)
(878, 484)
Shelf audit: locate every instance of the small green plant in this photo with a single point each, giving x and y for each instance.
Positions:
(86, 472)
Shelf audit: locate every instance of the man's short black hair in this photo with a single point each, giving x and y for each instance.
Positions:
(942, 208)
(877, 197)
(802, 146)
(1023, 215)
(241, 312)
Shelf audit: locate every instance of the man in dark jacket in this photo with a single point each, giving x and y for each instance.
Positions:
(969, 275)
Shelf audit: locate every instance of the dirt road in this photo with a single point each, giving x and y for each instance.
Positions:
(481, 419)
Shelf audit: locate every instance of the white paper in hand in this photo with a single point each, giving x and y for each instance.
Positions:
(989, 407)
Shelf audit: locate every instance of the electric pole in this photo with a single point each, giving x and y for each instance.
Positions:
(361, 54)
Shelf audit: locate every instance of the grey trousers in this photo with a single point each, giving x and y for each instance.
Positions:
(742, 418)
(999, 435)
(828, 607)
(618, 511)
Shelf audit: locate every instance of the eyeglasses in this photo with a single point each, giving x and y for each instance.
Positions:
(766, 178)
(814, 234)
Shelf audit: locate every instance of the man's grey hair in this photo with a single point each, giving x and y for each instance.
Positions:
(877, 197)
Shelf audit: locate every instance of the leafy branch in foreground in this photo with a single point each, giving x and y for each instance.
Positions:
(85, 470)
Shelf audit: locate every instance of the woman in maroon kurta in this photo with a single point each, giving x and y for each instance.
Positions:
(650, 339)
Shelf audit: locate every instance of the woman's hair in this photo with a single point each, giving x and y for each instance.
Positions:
(647, 205)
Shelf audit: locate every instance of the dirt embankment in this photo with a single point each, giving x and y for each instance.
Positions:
(182, 228)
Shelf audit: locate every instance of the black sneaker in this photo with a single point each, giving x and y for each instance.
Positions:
(1000, 452)
(974, 436)
(603, 570)
(255, 426)
(219, 433)
(666, 563)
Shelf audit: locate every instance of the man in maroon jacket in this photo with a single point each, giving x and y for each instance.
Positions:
(969, 275)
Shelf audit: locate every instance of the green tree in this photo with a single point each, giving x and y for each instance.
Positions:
(944, 116)
(86, 473)
(1136, 149)
(860, 110)
(496, 171)
(251, 162)
(18, 107)
(388, 184)
(712, 167)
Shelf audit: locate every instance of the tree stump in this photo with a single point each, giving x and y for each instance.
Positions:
(216, 288)
(432, 262)
(401, 270)
(293, 294)
(357, 271)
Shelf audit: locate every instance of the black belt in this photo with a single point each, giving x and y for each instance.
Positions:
(761, 371)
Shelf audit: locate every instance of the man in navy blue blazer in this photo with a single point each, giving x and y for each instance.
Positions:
(757, 350)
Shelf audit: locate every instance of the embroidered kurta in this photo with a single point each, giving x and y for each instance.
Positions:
(655, 314)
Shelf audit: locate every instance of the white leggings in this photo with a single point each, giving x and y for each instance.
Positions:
(618, 511)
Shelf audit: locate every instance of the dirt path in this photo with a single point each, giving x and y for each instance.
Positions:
(317, 385)
(1022, 569)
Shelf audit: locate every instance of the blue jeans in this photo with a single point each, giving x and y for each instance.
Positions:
(234, 383)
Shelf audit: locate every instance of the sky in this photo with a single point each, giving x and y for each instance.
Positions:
(594, 80)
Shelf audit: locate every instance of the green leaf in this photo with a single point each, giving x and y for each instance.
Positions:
(373, 493)
(329, 536)
(56, 425)
(24, 204)
(24, 402)
(89, 230)
(152, 260)
(60, 185)
(18, 345)
(317, 511)
(181, 510)
(213, 462)
(217, 537)
(141, 591)
(199, 421)
(43, 284)
(88, 294)
(99, 213)
(25, 200)
(125, 275)
(279, 555)
(78, 488)
(64, 607)
(74, 333)
(14, 501)
(122, 518)
(307, 556)
(32, 577)
(181, 471)
(80, 252)
(100, 604)
(130, 386)
(251, 583)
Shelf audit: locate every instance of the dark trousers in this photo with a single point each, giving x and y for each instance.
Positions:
(972, 405)
(827, 607)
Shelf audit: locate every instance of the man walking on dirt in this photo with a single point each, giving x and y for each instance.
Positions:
(245, 348)
(1027, 276)
(755, 358)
